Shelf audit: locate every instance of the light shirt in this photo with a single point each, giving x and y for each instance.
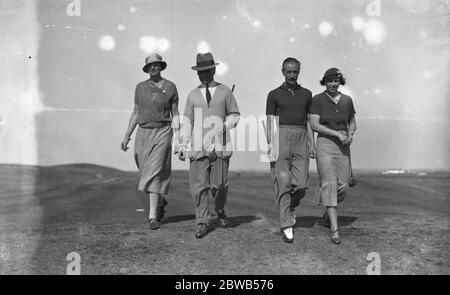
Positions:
(212, 90)
(334, 99)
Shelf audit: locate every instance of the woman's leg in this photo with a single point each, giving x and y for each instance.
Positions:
(332, 215)
(154, 201)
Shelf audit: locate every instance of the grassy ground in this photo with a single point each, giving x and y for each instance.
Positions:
(46, 213)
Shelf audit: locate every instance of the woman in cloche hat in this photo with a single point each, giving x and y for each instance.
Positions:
(155, 112)
(332, 116)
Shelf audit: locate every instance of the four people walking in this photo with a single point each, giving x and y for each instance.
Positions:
(211, 111)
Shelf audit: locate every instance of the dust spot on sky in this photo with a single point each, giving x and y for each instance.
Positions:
(325, 28)
(374, 32)
(222, 68)
(151, 44)
(257, 24)
(358, 23)
(107, 43)
(203, 47)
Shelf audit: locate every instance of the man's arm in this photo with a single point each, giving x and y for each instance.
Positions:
(311, 141)
(231, 121)
(270, 126)
(186, 125)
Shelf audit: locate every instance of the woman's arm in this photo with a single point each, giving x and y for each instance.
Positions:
(324, 130)
(351, 128)
(131, 126)
(175, 117)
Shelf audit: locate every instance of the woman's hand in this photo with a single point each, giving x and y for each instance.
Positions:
(350, 138)
(342, 135)
(312, 152)
(124, 144)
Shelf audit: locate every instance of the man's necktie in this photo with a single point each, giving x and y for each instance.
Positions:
(208, 95)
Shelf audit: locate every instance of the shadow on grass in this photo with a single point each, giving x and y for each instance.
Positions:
(178, 218)
(310, 221)
(235, 221)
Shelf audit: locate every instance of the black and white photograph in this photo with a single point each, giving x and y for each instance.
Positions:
(224, 137)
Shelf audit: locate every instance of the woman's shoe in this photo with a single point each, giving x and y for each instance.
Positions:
(153, 223)
(335, 237)
(160, 210)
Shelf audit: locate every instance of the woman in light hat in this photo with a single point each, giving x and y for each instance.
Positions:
(156, 112)
(332, 116)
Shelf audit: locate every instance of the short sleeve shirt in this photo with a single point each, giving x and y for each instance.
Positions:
(332, 115)
(292, 107)
(154, 104)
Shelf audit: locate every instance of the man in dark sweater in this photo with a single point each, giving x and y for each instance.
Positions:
(291, 143)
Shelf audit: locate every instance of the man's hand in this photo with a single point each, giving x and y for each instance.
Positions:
(272, 152)
(312, 151)
(176, 141)
(182, 153)
(124, 143)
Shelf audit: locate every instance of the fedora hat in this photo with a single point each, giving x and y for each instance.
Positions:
(205, 61)
(155, 57)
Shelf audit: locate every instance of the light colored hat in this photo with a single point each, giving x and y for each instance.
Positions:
(154, 57)
(205, 61)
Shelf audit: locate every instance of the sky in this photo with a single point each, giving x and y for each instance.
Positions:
(69, 70)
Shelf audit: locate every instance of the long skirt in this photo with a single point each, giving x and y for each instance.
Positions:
(152, 153)
(333, 165)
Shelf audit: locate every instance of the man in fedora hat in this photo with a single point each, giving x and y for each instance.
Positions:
(288, 106)
(211, 108)
(156, 113)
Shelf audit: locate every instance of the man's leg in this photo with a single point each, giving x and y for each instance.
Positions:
(199, 172)
(219, 188)
(281, 174)
(299, 169)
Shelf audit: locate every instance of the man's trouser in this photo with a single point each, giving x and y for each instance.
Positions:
(208, 182)
(290, 171)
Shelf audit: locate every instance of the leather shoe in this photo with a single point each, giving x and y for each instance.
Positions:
(153, 223)
(223, 222)
(201, 231)
(335, 237)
